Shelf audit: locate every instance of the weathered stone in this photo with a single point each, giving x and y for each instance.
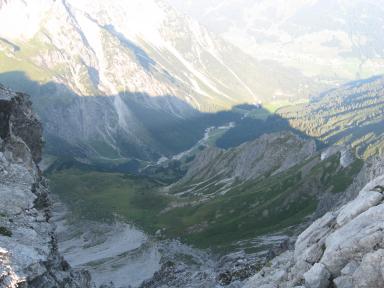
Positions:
(356, 238)
(317, 277)
(269, 286)
(346, 245)
(350, 268)
(17, 118)
(362, 203)
(28, 251)
(314, 234)
(343, 282)
(371, 271)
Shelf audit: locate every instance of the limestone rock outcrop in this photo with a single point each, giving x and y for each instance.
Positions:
(28, 248)
(342, 249)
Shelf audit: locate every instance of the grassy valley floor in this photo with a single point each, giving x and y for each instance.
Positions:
(267, 205)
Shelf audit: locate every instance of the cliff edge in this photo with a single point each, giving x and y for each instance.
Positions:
(28, 248)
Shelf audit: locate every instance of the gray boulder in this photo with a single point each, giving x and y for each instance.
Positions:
(317, 277)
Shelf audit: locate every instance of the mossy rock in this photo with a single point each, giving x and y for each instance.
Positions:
(4, 231)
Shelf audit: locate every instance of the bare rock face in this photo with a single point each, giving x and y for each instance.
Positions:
(317, 276)
(18, 121)
(343, 249)
(28, 249)
(347, 157)
(273, 153)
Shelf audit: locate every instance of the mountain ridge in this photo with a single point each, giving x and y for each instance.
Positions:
(73, 53)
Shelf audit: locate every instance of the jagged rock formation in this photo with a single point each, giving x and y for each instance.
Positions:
(346, 158)
(269, 154)
(373, 168)
(28, 250)
(342, 249)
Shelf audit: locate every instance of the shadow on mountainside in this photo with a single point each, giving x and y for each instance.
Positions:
(134, 125)
(223, 211)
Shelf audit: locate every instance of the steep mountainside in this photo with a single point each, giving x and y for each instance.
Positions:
(132, 60)
(178, 159)
(268, 155)
(227, 198)
(133, 46)
(351, 114)
(331, 41)
(246, 217)
(28, 246)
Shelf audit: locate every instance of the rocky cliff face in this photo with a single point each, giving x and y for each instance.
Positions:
(270, 154)
(343, 249)
(28, 249)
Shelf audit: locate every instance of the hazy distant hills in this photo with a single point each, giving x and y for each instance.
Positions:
(329, 40)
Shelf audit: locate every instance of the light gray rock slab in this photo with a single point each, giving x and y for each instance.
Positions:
(350, 268)
(317, 277)
(362, 203)
(371, 271)
(343, 282)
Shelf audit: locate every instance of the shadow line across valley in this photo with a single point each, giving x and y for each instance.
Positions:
(103, 142)
(134, 125)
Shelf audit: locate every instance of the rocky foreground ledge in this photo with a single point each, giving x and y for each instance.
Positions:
(28, 249)
(343, 249)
